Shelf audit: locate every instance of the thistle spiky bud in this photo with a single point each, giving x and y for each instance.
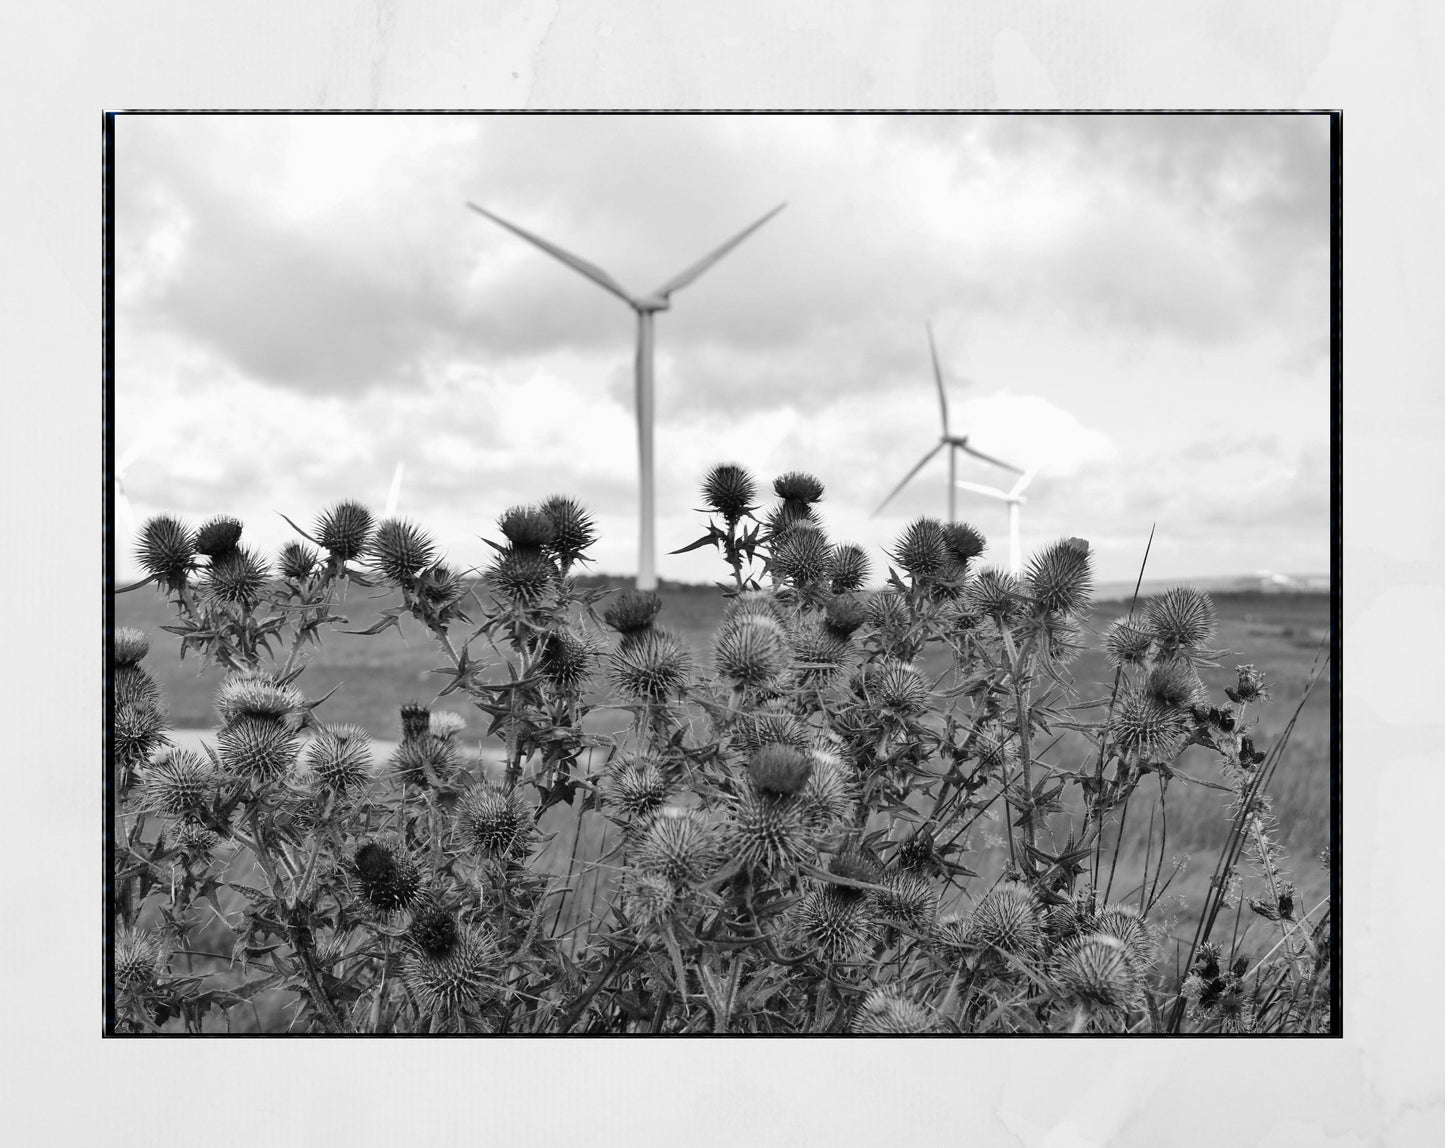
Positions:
(166, 550)
(779, 770)
(819, 653)
(850, 568)
(803, 556)
(835, 924)
(996, 594)
(1127, 643)
(854, 866)
(886, 1010)
(340, 758)
(1127, 925)
(652, 667)
(1182, 618)
(140, 960)
(258, 696)
(729, 490)
(1096, 973)
(523, 577)
(297, 561)
(238, 577)
(218, 537)
(1060, 577)
(446, 724)
(527, 527)
(921, 549)
(399, 550)
(138, 731)
(678, 845)
(1174, 685)
(257, 748)
(786, 517)
(648, 899)
(385, 875)
(797, 486)
(499, 824)
(632, 612)
(425, 761)
(639, 789)
(908, 899)
(898, 686)
(1009, 918)
(1249, 688)
(129, 646)
(344, 531)
(750, 652)
(1148, 729)
(768, 832)
(828, 797)
(133, 685)
(178, 783)
(888, 612)
(439, 591)
(844, 614)
(573, 530)
(566, 660)
(963, 542)
(774, 725)
(449, 967)
(415, 721)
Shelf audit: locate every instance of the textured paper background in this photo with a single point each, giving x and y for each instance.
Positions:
(1379, 61)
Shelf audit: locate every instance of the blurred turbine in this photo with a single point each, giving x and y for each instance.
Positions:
(1014, 497)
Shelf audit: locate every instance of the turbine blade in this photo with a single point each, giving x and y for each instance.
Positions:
(591, 270)
(393, 496)
(127, 460)
(678, 282)
(1023, 482)
(907, 477)
(127, 512)
(990, 458)
(938, 378)
(979, 488)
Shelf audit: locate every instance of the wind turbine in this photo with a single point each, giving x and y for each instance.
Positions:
(122, 499)
(645, 306)
(1015, 498)
(955, 443)
(393, 496)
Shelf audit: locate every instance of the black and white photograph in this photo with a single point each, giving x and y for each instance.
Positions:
(722, 574)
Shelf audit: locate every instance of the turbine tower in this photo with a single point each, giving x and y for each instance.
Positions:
(645, 306)
(955, 443)
(1015, 498)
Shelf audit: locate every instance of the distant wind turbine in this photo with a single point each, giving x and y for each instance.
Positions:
(122, 499)
(1015, 498)
(955, 443)
(645, 306)
(393, 496)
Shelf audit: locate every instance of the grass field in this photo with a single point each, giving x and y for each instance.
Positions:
(1280, 633)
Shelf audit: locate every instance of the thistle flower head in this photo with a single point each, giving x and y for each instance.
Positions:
(1095, 972)
(632, 612)
(886, 1010)
(573, 530)
(499, 824)
(1009, 918)
(415, 720)
(829, 795)
(921, 549)
(344, 530)
(796, 486)
(446, 724)
(649, 898)
(854, 866)
(962, 541)
(449, 966)
(238, 577)
(729, 490)
(566, 660)
(258, 696)
(257, 748)
(133, 685)
(137, 732)
(639, 789)
(888, 612)
(439, 591)
(997, 749)
(527, 527)
(768, 832)
(523, 577)
(1126, 924)
(1060, 577)
(140, 960)
(678, 845)
(803, 556)
(400, 550)
(1127, 643)
(385, 875)
(844, 614)
(218, 537)
(297, 561)
(898, 686)
(166, 549)
(1249, 688)
(779, 770)
(996, 594)
(1181, 619)
(1144, 727)
(195, 840)
(835, 925)
(1174, 685)
(129, 646)
(908, 899)
(786, 517)
(340, 758)
(653, 667)
(425, 761)
(850, 568)
(819, 653)
(178, 783)
(750, 651)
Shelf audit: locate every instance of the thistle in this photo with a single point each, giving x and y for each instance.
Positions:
(1096, 974)
(498, 824)
(768, 831)
(399, 550)
(1249, 688)
(796, 486)
(632, 612)
(820, 653)
(844, 614)
(237, 577)
(449, 967)
(258, 696)
(385, 876)
(1127, 925)
(750, 653)
(963, 542)
(137, 732)
(649, 899)
(573, 530)
(638, 789)
(829, 796)
(996, 594)
(835, 924)
(897, 686)
(140, 960)
(257, 748)
(297, 561)
(132, 685)
(774, 726)
(1182, 619)
(921, 550)
(907, 899)
(779, 770)
(1009, 919)
(679, 846)
(415, 721)
(425, 761)
(1060, 577)
(1127, 643)
(445, 724)
(166, 550)
(129, 647)
(344, 531)
(218, 537)
(566, 660)
(850, 568)
(652, 668)
(803, 556)
(340, 758)
(1147, 729)
(177, 784)
(886, 1011)
(729, 490)
(1174, 685)
(523, 577)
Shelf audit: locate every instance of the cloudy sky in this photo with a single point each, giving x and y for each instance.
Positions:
(1138, 306)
